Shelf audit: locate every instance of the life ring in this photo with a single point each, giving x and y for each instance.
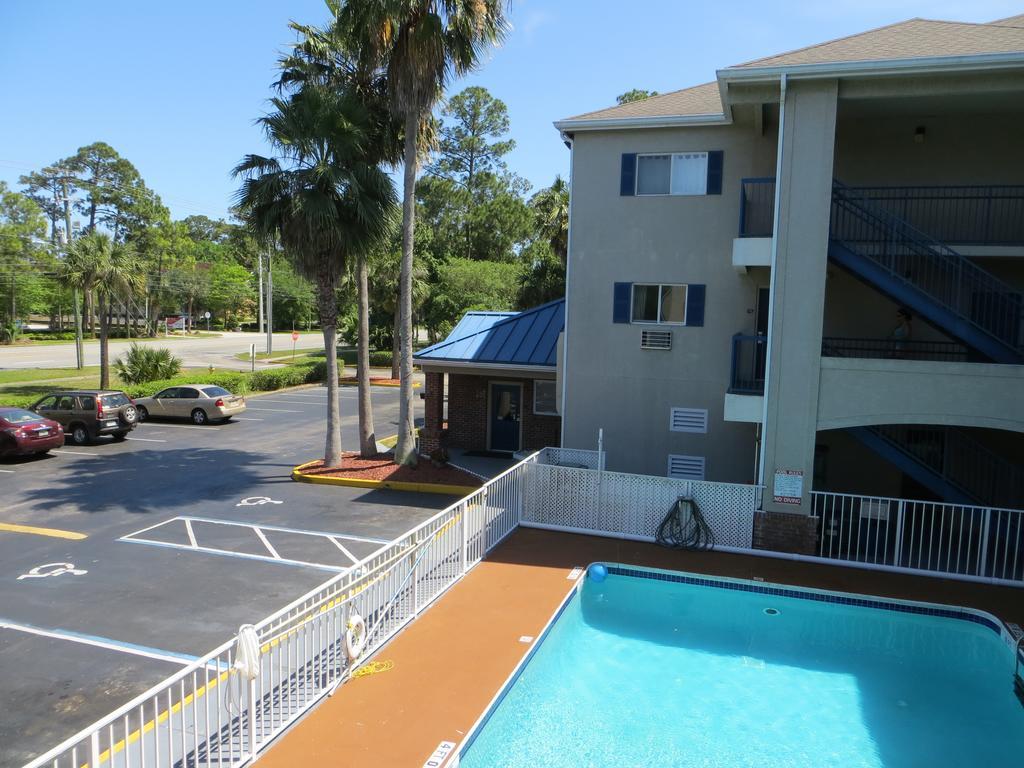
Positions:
(355, 636)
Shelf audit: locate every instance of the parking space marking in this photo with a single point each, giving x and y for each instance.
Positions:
(275, 410)
(243, 418)
(7, 471)
(55, 533)
(145, 440)
(73, 453)
(259, 530)
(185, 426)
(101, 642)
(285, 402)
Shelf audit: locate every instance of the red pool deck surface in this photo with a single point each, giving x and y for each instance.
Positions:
(451, 661)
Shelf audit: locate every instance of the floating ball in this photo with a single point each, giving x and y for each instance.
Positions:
(597, 572)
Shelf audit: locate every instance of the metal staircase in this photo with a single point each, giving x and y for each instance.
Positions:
(937, 283)
(949, 462)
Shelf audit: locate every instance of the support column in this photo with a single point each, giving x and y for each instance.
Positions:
(804, 190)
(433, 417)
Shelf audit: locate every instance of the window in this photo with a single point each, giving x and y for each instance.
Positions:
(167, 394)
(659, 304)
(686, 467)
(688, 420)
(47, 403)
(544, 403)
(684, 173)
(216, 391)
(88, 402)
(115, 400)
(187, 393)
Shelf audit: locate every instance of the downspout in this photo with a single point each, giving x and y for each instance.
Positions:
(776, 216)
(565, 327)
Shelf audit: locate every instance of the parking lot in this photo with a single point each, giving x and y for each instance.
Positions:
(121, 562)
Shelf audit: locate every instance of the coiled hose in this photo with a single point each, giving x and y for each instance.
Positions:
(684, 527)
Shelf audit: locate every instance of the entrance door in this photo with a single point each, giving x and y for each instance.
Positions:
(506, 410)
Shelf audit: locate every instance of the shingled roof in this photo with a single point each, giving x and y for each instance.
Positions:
(905, 40)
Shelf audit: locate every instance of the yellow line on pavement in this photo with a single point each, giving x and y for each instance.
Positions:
(55, 533)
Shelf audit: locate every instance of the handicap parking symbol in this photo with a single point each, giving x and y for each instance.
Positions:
(254, 501)
(53, 569)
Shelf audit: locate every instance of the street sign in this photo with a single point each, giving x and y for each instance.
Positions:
(206, 315)
(295, 335)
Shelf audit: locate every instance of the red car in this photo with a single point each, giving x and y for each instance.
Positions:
(23, 433)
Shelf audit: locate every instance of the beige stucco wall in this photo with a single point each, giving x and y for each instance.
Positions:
(611, 382)
(856, 392)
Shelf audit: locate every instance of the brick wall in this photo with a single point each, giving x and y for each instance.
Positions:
(433, 408)
(467, 415)
(786, 532)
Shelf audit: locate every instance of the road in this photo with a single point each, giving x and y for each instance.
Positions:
(159, 547)
(200, 352)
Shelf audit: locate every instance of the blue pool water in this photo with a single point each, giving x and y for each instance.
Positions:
(641, 672)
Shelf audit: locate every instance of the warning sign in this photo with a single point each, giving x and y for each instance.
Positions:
(789, 486)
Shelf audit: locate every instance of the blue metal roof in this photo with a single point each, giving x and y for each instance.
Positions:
(524, 338)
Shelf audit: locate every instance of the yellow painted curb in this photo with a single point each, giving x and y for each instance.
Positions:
(55, 533)
(350, 383)
(395, 485)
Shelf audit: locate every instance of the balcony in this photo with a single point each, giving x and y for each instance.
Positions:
(882, 349)
(991, 215)
(745, 399)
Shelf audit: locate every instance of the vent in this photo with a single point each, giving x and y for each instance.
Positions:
(655, 339)
(686, 467)
(688, 420)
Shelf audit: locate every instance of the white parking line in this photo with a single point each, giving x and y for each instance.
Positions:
(74, 453)
(244, 418)
(275, 410)
(145, 440)
(286, 402)
(7, 471)
(101, 642)
(186, 426)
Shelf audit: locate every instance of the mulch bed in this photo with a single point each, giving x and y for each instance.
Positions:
(382, 467)
(373, 380)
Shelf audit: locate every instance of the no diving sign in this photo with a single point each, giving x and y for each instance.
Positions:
(789, 486)
(444, 750)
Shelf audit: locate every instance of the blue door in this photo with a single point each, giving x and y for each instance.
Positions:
(506, 411)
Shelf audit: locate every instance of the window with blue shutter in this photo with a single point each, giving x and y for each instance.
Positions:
(627, 177)
(715, 161)
(621, 302)
(695, 305)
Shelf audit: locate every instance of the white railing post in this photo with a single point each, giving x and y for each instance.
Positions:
(94, 748)
(464, 517)
(898, 551)
(983, 549)
(485, 526)
(252, 717)
(415, 585)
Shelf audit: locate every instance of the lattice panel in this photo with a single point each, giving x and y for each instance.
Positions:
(570, 457)
(618, 503)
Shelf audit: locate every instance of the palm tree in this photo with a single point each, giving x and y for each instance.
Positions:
(323, 199)
(321, 57)
(421, 44)
(551, 216)
(108, 270)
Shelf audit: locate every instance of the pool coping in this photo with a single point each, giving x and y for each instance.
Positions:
(896, 605)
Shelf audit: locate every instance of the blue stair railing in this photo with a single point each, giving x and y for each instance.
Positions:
(942, 285)
(950, 462)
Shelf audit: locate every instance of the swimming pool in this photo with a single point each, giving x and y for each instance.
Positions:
(659, 669)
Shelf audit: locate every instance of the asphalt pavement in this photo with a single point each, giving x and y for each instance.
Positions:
(194, 352)
(121, 562)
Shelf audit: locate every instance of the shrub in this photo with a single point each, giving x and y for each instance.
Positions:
(233, 381)
(141, 364)
(380, 359)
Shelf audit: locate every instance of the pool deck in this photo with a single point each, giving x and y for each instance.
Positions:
(451, 661)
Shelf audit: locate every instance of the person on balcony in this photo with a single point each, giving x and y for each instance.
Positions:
(902, 332)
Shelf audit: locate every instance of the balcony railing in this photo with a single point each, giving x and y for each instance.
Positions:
(978, 215)
(749, 355)
(945, 351)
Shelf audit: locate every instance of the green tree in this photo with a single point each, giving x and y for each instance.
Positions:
(322, 200)
(471, 137)
(543, 276)
(112, 271)
(22, 227)
(635, 94)
(551, 217)
(421, 44)
(464, 284)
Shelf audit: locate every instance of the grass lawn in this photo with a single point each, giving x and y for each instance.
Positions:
(23, 375)
(90, 340)
(301, 356)
(21, 388)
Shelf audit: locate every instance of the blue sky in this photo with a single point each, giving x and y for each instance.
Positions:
(175, 86)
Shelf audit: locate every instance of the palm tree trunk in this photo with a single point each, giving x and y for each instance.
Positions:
(396, 347)
(405, 451)
(367, 436)
(101, 303)
(328, 308)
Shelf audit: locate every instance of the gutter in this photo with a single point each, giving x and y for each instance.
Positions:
(660, 121)
(426, 363)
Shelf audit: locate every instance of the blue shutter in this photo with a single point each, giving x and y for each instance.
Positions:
(695, 305)
(623, 298)
(715, 160)
(627, 179)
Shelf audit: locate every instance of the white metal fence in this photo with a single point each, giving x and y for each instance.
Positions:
(953, 539)
(211, 714)
(632, 506)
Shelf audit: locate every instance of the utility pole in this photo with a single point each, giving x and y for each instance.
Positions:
(78, 304)
(270, 303)
(259, 262)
